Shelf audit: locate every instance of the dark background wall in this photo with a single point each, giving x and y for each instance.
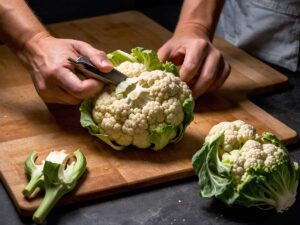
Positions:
(165, 12)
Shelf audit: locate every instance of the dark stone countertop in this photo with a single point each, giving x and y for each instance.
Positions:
(177, 202)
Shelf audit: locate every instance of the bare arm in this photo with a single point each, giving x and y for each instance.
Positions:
(202, 65)
(46, 56)
(18, 24)
(200, 14)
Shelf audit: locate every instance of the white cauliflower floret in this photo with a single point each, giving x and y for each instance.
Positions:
(154, 112)
(236, 133)
(273, 152)
(141, 104)
(173, 111)
(131, 69)
(251, 154)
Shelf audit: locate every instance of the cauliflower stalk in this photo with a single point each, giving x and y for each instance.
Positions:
(238, 166)
(54, 176)
(150, 109)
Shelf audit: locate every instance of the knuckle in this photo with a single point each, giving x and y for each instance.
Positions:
(202, 43)
(101, 54)
(190, 65)
(50, 72)
(98, 55)
(79, 92)
(82, 43)
(42, 89)
(93, 58)
(208, 77)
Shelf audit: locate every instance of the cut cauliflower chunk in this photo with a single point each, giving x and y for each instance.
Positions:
(142, 103)
(236, 133)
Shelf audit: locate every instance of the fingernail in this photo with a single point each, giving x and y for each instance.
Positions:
(106, 63)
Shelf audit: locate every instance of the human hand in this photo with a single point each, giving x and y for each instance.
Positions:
(202, 65)
(52, 74)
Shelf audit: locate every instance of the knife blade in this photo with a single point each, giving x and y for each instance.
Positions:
(84, 65)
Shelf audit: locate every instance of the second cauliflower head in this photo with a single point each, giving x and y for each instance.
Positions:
(239, 166)
(151, 108)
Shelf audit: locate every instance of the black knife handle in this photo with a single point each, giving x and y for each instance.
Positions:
(84, 65)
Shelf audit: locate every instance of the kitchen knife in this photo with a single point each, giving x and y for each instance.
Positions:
(84, 65)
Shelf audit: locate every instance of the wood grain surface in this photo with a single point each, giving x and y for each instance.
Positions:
(27, 124)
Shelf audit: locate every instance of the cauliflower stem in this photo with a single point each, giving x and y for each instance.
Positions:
(54, 176)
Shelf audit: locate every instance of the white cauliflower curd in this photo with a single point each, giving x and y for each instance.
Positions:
(236, 133)
(151, 108)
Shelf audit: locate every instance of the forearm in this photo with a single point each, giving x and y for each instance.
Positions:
(18, 24)
(200, 14)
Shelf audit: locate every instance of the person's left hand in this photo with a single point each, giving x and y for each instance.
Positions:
(54, 76)
(202, 65)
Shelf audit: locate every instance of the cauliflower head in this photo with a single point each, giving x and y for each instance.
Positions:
(239, 166)
(151, 108)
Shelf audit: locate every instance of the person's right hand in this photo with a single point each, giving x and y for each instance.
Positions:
(53, 75)
(203, 67)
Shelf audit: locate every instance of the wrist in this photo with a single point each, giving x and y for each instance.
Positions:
(33, 44)
(195, 28)
(32, 47)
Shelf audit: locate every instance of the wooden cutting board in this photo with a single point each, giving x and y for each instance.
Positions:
(27, 124)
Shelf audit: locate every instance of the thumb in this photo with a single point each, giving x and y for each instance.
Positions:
(97, 57)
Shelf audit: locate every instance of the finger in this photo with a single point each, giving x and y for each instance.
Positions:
(81, 89)
(225, 71)
(97, 57)
(164, 52)
(178, 57)
(208, 74)
(194, 58)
